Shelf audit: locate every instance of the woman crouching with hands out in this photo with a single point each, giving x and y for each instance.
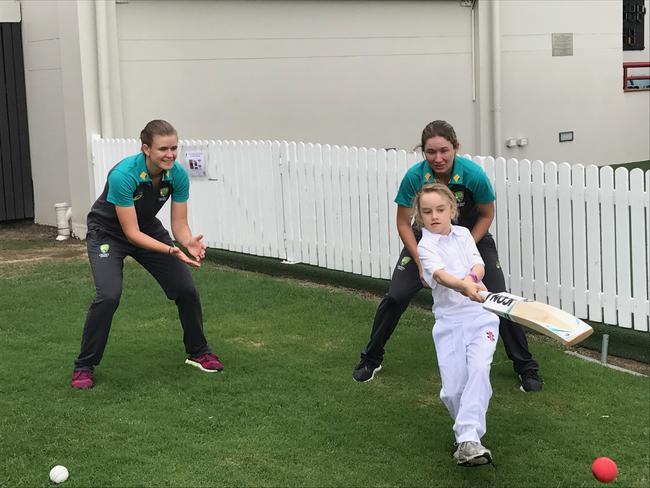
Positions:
(465, 335)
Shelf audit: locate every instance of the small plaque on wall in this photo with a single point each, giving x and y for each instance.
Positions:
(562, 44)
(566, 136)
(194, 163)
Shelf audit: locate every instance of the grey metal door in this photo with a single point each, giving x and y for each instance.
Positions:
(16, 190)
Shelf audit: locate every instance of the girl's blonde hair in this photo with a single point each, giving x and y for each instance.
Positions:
(441, 190)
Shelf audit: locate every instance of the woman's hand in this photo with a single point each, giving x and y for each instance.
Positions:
(175, 251)
(196, 247)
(421, 272)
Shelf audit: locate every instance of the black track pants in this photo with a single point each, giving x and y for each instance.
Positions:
(106, 254)
(513, 335)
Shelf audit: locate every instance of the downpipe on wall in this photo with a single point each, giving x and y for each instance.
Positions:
(103, 66)
(496, 77)
(63, 220)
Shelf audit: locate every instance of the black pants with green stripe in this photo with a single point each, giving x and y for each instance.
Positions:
(106, 253)
(405, 284)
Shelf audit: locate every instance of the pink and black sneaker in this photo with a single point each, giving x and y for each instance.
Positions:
(206, 362)
(82, 380)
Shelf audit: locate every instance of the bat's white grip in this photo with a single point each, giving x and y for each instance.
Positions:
(484, 294)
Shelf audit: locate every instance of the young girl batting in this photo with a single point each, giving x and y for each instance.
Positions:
(465, 335)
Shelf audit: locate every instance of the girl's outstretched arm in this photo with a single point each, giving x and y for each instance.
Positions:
(465, 287)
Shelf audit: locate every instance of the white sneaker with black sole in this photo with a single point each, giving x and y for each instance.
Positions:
(472, 454)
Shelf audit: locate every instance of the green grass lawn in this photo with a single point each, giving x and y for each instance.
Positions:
(286, 411)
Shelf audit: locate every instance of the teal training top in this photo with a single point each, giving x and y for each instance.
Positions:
(129, 185)
(469, 184)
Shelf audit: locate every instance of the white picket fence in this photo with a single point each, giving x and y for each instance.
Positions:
(573, 236)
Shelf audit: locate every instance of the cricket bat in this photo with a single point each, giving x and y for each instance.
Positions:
(540, 317)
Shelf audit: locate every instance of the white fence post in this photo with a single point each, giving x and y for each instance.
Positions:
(526, 224)
(565, 237)
(640, 206)
(579, 232)
(501, 217)
(514, 226)
(608, 236)
(594, 249)
(623, 272)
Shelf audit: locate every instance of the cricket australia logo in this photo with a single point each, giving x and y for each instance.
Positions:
(103, 250)
(490, 335)
(405, 260)
(164, 193)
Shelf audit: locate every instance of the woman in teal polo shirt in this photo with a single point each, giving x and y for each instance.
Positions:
(122, 222)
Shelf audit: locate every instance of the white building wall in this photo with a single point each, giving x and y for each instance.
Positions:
(374, 73)
(45, 107)
(9, 11)
(81, 98)
(543, 95)
(62, 104)
(364, 73)
(342, 72)
(637, 104)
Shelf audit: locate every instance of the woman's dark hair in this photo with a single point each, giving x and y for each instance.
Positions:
(156, 128)
(439, 128)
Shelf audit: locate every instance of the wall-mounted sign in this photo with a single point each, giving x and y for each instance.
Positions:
(194, 163)
(562, 44)
(566, 136)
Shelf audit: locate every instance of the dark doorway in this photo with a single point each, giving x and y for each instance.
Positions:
(16, 190)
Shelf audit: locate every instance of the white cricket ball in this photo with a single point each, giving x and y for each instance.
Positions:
(58, 474)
